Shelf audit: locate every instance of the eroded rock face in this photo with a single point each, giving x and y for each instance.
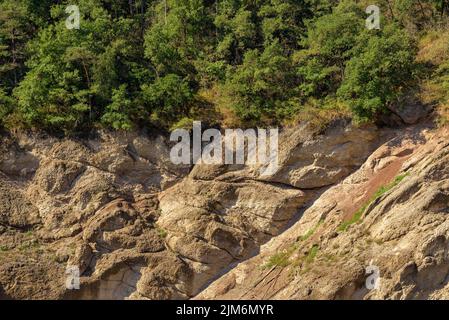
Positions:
(309, 163)
(410, 113)
(213, 223)
(403, 231)
(85, 203)
(139, 227)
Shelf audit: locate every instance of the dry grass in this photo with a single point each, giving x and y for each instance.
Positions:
(435, 92)
(443, 115)
(434, 47)
(434, 53)
(319, 117)
(221, 108)
(212, 109)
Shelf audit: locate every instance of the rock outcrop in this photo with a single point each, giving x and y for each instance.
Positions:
(91, 204)
(138, 227)
(308, 162)
(389, 216)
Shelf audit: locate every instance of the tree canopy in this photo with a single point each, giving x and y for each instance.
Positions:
(157, 62)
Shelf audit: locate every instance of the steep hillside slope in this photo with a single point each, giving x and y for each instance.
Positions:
(115, 207)
(138, 227)
(391, 214)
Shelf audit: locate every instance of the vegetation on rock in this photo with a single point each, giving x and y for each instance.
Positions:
(158, 62)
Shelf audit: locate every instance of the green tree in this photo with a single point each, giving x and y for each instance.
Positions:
(74, 74)
(329, 45)
(168, 98)
(6, 105)
(118, 114)
(379, 73)
(237, 33)
(285, 20)
(134, 62)
(57, 92)
(14, 33)
(262, 85)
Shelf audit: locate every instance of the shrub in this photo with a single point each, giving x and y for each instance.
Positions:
(168, 97)
(329, 45)
(378, 75)
(6, 106)
(262, 85)
(118, 114)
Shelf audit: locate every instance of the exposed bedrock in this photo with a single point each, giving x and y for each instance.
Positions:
(139, 227)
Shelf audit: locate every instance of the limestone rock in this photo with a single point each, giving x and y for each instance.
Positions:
(410, 113)
(309, 162)
(402, 232)
(139, 227)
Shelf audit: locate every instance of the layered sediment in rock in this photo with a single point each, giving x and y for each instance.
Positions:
(139, 227)
(402, 195)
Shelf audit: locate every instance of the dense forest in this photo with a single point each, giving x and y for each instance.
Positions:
(163, 63)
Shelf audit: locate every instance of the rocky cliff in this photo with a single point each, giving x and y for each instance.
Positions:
(139, 227)
(390, 214)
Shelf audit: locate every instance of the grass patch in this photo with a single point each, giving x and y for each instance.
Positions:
(319, 114)
(281, 259)
(434, 90)
(384, 189)
(30, 245)
(278, 260)
(304, 262)
(359, 213)
(312, 254)
(355, 219)
(161, 233)
(443, 115)
(311, 231)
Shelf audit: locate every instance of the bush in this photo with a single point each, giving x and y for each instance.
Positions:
(168, 98)
(118, 113)
(379, 73)
(329, 45)
(262, 85)
(6, 106)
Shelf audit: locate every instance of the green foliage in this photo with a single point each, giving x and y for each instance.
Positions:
(262, 85)
(380, 71)
(380, 192)
(354, 219)
(329, 44)
(56, 93)
(312, 254)
(311, 231)
(139, 62)
(15, 25)
(168, 97)
(184, 123)
(161, 233)
(6, 105)
(281, 259)
(118, 113)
